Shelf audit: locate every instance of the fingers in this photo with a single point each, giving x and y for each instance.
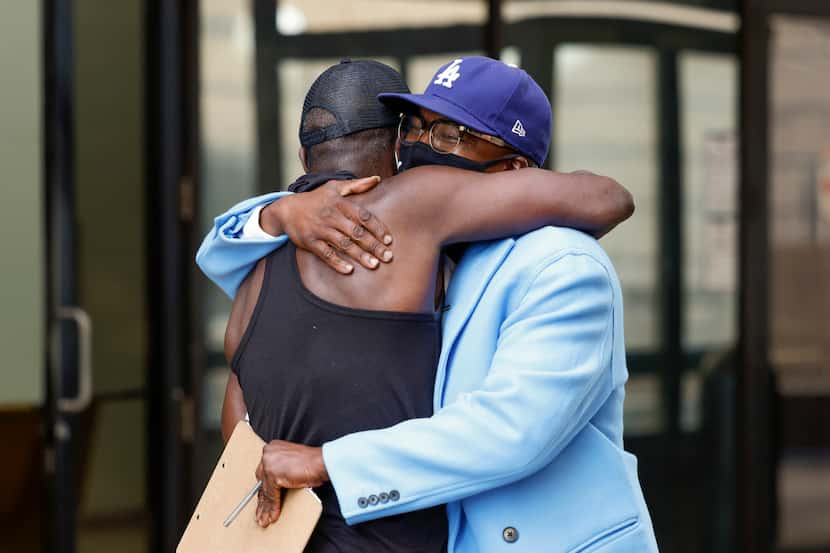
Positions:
(369, 244)
(276, 508)
(328, 254)
(357, 186)
(269, 506)
(269, 500)
(366, 230)
(345, 245)
(261, 500)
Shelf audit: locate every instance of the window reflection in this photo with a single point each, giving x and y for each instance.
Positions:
(604, 120)
(709, 154)
(799, 310)
(324, 16)
(799, 222)
(708, 118)
(228, 167)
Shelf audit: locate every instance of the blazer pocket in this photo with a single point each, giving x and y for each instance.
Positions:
(607, 536)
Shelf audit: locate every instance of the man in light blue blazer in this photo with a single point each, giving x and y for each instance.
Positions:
(526, 443)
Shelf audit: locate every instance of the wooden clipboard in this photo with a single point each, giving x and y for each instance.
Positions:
(231, 480)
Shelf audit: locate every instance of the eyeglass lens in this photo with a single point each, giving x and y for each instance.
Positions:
(444, 136)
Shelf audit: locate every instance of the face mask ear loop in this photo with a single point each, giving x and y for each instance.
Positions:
(398, 161)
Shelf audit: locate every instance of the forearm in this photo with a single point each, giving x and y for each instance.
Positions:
(226, 255)
(271, 219)
(481, 442)
(233, 407)
(461, 206)
(581, 200)
(612, 202)
(229, 422)
(550, 375)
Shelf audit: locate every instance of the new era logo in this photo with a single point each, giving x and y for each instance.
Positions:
(518, 128)
(449, 75)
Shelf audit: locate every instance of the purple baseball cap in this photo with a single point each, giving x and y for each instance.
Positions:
(488, 96)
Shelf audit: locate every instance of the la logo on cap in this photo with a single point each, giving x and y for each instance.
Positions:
(518, 128)
(449, 75)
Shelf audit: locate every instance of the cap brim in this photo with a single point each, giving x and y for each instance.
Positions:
(405, 102)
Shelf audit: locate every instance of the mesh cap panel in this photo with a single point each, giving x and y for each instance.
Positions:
(349, 91)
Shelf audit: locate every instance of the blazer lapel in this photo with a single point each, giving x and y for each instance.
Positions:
(467, 285)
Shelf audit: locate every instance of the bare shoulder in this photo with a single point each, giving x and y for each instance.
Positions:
(243, 308)
(410, 196)
(428, 177)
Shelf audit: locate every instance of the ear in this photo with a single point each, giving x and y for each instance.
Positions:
(303, 158)
(520, 162)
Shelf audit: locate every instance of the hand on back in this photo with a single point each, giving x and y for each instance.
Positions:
(333, 227)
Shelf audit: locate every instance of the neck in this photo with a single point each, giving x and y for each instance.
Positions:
(357, 169)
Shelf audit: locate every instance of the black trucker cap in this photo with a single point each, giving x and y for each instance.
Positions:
(349, 91)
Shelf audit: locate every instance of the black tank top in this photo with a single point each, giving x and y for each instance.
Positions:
(312, 371)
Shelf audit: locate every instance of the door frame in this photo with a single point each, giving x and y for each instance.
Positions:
(61, 430)
(754, 482)
(171, 100)
(170, 84)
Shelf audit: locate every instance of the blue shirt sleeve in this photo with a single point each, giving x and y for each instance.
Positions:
(550, 375)
(226, 256)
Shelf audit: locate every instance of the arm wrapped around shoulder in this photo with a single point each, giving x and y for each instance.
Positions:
(549, 376)
(226, 256)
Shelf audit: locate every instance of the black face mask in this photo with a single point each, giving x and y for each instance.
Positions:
(418, 154)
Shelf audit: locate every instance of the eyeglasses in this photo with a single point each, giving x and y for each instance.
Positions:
(444, 135)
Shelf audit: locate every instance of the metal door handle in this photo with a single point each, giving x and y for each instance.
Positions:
(84, 396)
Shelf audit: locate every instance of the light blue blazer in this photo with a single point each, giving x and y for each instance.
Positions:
(525, 446)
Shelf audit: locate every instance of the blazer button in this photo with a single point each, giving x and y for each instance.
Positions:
(373, 499)
(510, 534)
(383, 497)
(362, 502)
(394, 495)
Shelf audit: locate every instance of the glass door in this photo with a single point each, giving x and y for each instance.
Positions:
(97, 313)
(663, 122)
(799, 254)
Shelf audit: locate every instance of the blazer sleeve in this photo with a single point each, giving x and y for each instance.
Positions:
(549, 376)
(226, 256)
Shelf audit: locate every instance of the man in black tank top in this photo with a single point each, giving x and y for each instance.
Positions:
(312, 371)
(316, 357)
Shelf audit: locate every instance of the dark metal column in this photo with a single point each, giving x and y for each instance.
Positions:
(170, 165)
(493, 30)
(755, 480)
(537, 50)
(62, 373)
(670, 241)
(267, 96)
